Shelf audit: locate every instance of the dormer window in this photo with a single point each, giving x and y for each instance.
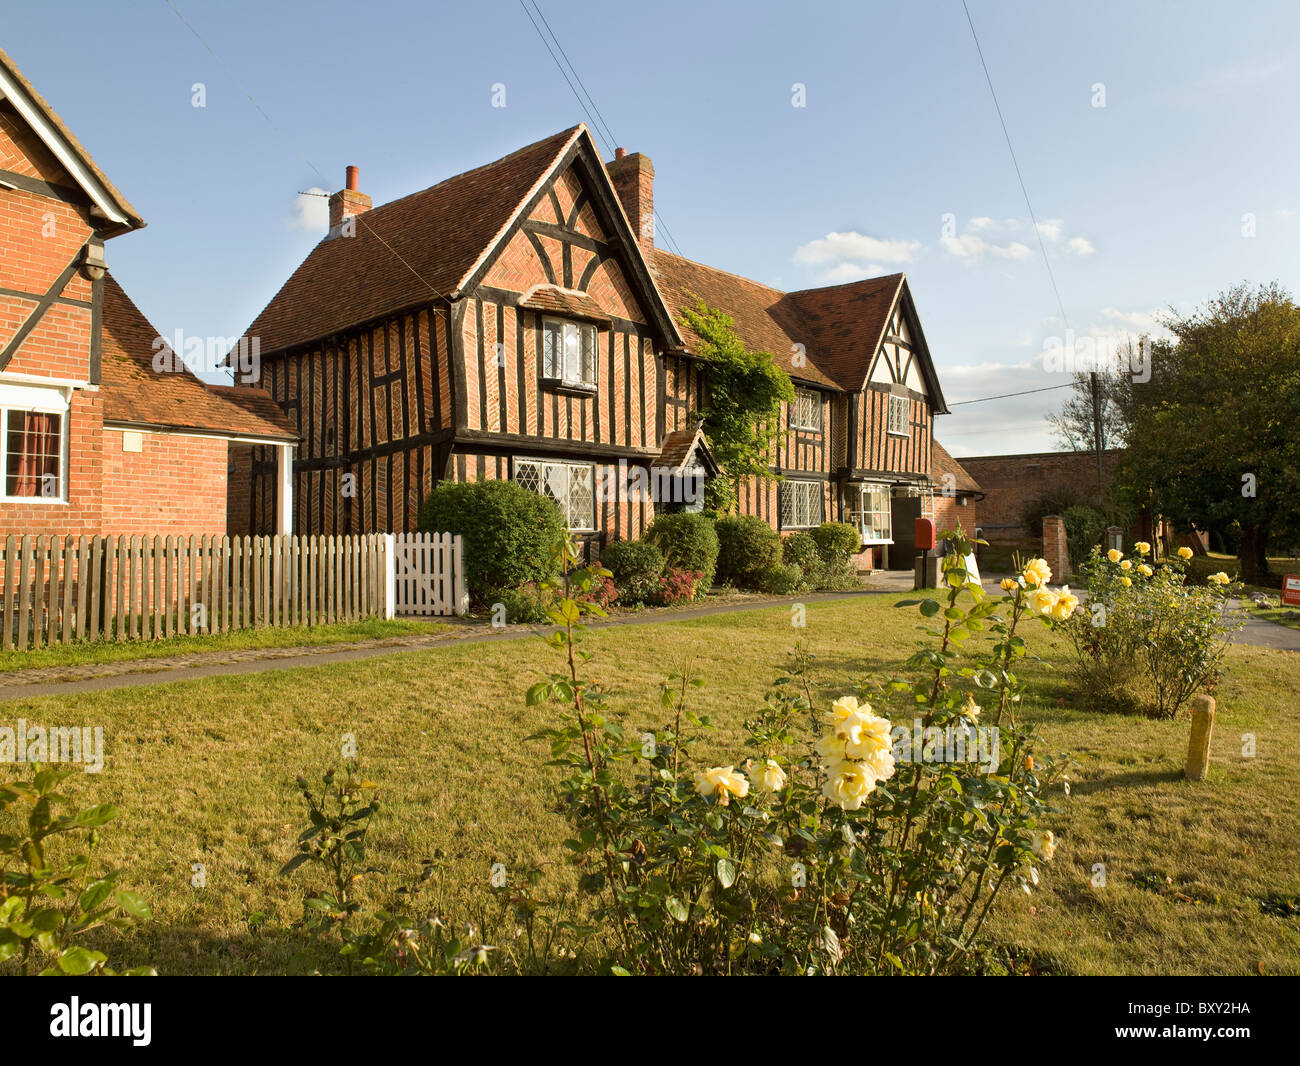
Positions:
(569, 353)
(806, 411)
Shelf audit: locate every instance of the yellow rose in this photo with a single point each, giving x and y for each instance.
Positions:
(1041, 601)
(1010, 584)
(864, 734)
(849, 784)
(722, 782)
(970, 708)
(1114, 555)
(1219, 579)
(1127, 582)
(1142, 547)
(1066, 602)
(1127, 564)
(1043, 843)
(1145, 570)
(1184, 553)
(767, 776)
(1037, 572)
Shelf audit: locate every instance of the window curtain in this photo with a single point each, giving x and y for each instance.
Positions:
(34, 447)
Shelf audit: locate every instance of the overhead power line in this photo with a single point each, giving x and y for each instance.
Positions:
(1006, 395)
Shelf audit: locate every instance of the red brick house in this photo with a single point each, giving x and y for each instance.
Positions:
(517, 321)
(93, 438)
(956, 492)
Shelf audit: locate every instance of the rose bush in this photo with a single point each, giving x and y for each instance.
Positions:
(833, 845)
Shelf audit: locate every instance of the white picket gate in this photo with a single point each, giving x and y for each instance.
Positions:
(427, 574)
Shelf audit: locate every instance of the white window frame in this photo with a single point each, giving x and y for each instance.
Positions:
(903, 406)
(577, 367)
(798, 493)
(46, 400)
(543, 473)
(806, 410)
(875, 516)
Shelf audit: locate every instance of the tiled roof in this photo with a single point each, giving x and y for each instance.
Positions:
(765, 318)
(134, 392)
(574, 304)
(681, 444)
(848, 322)
(120, 202)
(942, 463)
(405, 252)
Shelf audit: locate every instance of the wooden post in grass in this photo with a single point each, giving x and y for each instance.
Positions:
(1198, 748)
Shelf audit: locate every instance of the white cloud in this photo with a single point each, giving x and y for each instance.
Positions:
(841, 273)
(975, 248)
(1142, 321)
(983, 238)
(311, 210)
(846, 247)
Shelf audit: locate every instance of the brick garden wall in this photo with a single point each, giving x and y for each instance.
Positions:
(1012, 482)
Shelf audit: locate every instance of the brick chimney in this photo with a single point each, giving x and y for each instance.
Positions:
(345, 205)
(634, 181)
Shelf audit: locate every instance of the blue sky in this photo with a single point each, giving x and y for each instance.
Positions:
(1183, 183)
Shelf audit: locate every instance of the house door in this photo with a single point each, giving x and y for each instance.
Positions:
(903, 513)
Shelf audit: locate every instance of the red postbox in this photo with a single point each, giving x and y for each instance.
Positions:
(923, 534)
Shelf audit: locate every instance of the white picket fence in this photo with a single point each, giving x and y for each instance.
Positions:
(428, 574)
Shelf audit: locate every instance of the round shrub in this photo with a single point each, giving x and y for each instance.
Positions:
(747, 548)
(801, 550)
(836, 540)
(781, 579)
(689, 542)
(636, 566)
(511, 534)
(676, 587)
(526, 605)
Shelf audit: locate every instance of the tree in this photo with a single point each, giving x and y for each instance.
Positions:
(742, 409)
(1213, 438)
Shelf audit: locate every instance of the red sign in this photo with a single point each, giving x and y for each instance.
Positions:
(923, 534)
(1291, 590)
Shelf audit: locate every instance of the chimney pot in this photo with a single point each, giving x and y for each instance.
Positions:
(619, 153)
(353, 174)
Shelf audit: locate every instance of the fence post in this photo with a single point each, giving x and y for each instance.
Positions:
(458, 569)
(388, 573)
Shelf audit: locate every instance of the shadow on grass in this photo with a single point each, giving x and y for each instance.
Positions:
(1135, 779)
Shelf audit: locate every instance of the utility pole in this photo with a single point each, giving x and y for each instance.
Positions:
(1095, 383)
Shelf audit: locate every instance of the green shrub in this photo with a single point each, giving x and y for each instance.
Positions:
(781, 579)
(833, 575)
(1147, 641)
(637, 567)
(1085, 529)
(1032, 515)
(801, 550)
(511, 534)
(689, 542)
(748, 547)
(526, 605)
(836, 540)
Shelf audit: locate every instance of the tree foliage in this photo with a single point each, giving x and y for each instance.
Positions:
(743, 407)
(1212, 438)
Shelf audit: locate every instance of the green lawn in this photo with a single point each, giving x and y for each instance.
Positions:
(204, 772)
(101, 651)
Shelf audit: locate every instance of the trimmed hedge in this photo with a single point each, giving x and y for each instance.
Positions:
(781, 579)
(637, 567)
(836, 540)
(748, 548)
(689, 542)
(511, 534)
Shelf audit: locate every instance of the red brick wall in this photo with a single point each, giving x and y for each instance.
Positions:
(948, 514)
(1012, 482)
(174, 484)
